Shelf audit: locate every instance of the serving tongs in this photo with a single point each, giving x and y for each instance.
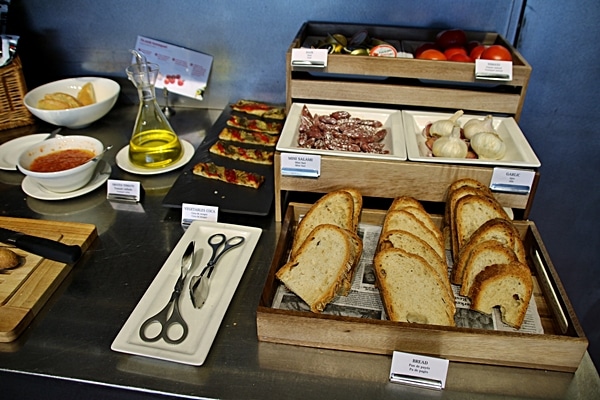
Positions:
(200, 284)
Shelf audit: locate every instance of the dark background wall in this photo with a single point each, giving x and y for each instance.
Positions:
(249, 39)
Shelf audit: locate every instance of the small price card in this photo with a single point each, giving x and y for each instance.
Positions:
(417, 370)
(314, 58)
(493, 70)
(296, 164)
(124, 190)
(512, 180)
(194, 212)
(182, 71)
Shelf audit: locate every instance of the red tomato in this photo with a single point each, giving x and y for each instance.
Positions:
(476, 52)
(432, 54)
(451, 38)
(423, 47)
(454, 50)
(496, 52)
(460, 58)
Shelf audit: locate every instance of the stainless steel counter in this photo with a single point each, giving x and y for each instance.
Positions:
(66, 350)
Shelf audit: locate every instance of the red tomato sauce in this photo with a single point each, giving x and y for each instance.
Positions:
(61, 160)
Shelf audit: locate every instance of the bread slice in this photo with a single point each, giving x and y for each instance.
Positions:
(399, 239)
(426, 219)
(402, 202)
(471, 212)
(358, 204)
(357, 248)
(335, 208)
(452, 195)
(406, 221)
(498, 229)
(483, 254)
(317, 272)
(508, 286)
(453, 199)
(411, 290)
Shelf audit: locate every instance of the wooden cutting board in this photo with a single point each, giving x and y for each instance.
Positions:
(24, 290)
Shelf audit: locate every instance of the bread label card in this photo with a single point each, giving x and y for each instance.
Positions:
(512, 180)
(194, 212)
(417, 370)
(303, 165)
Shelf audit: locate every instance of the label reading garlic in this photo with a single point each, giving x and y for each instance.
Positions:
(512, 180)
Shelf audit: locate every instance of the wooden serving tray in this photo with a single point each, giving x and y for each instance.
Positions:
(560, 348)
(24, 290)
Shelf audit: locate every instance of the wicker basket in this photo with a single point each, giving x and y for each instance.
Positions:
(13, 112)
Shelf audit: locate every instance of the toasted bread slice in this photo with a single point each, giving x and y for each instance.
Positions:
(87, 94)
(471, 212)
(358, 204)
(484, 254)
(400, 276)
(497, 229)
(357, 253)
(399, 239)
(508, 286)
(406, 221)
(450, 216)
(402, 202)
(317, 272)
(335, 208)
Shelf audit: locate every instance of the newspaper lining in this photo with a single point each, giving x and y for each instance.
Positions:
(364, 301)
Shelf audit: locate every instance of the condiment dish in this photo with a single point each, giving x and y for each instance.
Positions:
(66, 180)
(106, 91)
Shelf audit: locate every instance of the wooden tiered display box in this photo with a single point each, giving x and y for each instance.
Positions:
(561, 346)
(398, 83)
(401, 81)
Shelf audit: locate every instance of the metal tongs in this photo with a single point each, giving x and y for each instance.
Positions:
(200, 284)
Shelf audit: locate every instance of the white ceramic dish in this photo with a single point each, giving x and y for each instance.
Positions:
(391, 119)
(106, 90)
(37, 191)
(518, 151)
(66, 180)
(123, 162)
(11, 150)
(204, 322)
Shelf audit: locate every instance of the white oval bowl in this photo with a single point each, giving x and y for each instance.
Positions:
(107, 92)
(61, 181)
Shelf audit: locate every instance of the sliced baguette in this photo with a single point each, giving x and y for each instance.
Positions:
(406, 221)
(484, 254)
(508, 286)
(411, 290)
(335, 208)
(497, 229)
(426, 219)
(470, 213)
(357, 248)
(318, 271)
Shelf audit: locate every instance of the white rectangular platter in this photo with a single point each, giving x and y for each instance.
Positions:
(204, 322)
(518, 151)
(391, 120)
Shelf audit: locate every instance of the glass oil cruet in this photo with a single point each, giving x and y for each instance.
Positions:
(154, 143)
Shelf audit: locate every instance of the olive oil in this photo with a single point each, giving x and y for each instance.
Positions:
(156, 148)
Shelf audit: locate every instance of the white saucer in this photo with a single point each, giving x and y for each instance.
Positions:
(37, 191)
(123, 162)
(11, 150)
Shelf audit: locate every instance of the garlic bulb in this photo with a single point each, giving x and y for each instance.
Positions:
(488, 145)
(451, 146)
(474, 126)
(444, 127)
